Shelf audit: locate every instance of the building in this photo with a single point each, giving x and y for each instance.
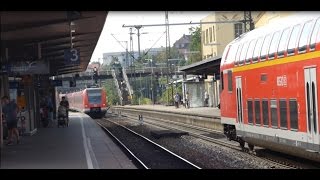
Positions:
(183, 44)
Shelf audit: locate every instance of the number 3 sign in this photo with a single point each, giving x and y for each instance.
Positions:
(72, 56)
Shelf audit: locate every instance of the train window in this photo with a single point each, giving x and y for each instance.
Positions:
(250, 50)
(265, 112)
(293, 114)
(250, 111)
(274, 45)
(283, 113)
(238, 54)
(283, 42)
(244, 52)
(257, 49)
(293, 39)
(257, 111)
(234, 53)
(263, 78)
(274, 113)
(229, 80)
(315, 34)
(222, 83)
(305, 34)
(265, 46)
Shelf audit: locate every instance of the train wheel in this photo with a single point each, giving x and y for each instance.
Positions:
(251, 147)
(242, 144)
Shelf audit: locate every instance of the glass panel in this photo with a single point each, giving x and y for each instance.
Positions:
(250, 112)
(293, 114)
(94, 96)
(265, 112)
(250, 50)
(304, 36)
(229, 80)
(265, 47)
(293, 39)
(274, 113)
(283, 41)
(257, 49)
(283, 113)
(257, 111)
(274, 44)
(315, 33)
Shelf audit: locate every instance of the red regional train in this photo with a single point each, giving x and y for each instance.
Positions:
(91, 101)
(269, 87)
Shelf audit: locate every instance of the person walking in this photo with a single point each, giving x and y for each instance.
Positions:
(10, 110)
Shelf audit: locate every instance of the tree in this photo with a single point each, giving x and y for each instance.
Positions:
(195, 45)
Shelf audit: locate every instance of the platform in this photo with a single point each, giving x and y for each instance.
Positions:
(82, 145)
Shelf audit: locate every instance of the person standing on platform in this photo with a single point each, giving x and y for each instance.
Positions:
(177, 100)
(206, 99)
(10, 110)
(187, 100)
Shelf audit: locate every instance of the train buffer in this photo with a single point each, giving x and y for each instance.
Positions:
(167, 133)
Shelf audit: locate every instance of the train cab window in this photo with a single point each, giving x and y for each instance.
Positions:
(283, 42)
(250, 111)
(293, 39)
(293, 114)
(257, 49)
(238, 55)
(229, 80)
(250, 51)
(305, 34)
(257, 111)
(315, 35)
(274, 113)
(265, 112)
(283, 114)
(265, 47)
(274, 45)
(244, 52)
(234, 54)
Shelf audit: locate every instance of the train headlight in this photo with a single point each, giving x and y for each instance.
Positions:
(85, 105)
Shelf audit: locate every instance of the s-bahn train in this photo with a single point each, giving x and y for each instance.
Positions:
(91, 101)
(270, 91)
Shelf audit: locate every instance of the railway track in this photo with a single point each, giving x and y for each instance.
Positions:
(145, 153)
(217, 137)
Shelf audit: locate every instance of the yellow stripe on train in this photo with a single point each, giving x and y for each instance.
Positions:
(273, 62)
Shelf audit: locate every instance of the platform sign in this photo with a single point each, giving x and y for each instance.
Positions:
(56, 82)
(72, 56)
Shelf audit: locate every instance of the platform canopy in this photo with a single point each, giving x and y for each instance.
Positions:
(205, 67)
(44, 36)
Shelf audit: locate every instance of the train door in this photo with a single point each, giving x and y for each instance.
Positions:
(239, 103)
(311, 108)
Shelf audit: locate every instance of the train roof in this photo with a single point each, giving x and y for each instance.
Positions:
(274, 26)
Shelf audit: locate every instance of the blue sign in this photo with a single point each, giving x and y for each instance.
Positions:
(5, 68)
(56, 82)
(13, 85)
(72, 56)
(217, 76)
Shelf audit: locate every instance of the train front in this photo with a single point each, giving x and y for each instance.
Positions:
(96, 102)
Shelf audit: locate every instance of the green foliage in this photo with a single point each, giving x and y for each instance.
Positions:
(170, 91)
(112, 94)
(195, 45)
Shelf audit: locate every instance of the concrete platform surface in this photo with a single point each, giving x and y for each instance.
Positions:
(82, 145)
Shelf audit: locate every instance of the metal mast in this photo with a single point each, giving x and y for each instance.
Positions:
(248, 22)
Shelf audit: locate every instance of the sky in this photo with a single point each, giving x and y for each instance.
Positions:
(150, 36)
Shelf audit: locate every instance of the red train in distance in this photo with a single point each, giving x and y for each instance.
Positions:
(92, 101)
(270, 91)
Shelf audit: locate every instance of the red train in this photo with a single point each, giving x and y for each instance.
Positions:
(91, 101)
(269, 87)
